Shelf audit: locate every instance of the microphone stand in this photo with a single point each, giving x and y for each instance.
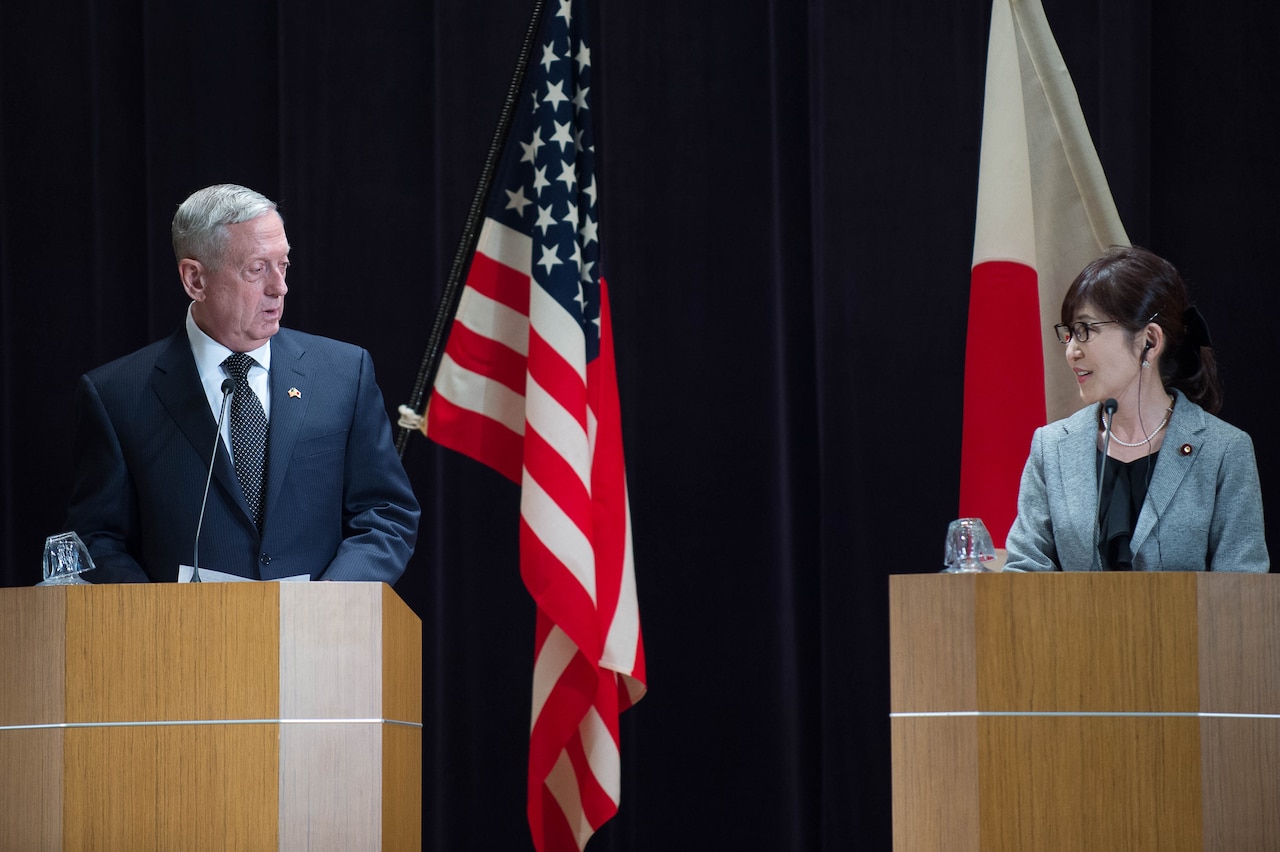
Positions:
(228, 386)
(1108, 411)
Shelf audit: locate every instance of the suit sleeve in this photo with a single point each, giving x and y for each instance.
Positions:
(103, 509)
(379, 512)
(1237, 541)
(1030, 541)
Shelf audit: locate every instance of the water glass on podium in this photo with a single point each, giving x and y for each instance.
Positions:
(969, 549)
(65, 559)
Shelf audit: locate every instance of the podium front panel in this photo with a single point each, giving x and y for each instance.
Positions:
(1092, 710)
(1240, 695)
(238, 715)
(32, 670)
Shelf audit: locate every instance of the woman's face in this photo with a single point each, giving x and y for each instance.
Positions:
(1109, 363)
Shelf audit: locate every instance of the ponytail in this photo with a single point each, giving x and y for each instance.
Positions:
(1194, 367)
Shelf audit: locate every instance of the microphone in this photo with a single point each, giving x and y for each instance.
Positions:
(1108, 411)
(228, 385)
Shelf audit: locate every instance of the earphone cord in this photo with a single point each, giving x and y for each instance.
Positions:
(1155, 530)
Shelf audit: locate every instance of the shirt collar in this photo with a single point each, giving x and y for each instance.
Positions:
(210, 354)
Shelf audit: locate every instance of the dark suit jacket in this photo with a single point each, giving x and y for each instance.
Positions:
(338, 506)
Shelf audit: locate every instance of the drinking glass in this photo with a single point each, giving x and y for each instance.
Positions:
(969, 548)
(65, 559)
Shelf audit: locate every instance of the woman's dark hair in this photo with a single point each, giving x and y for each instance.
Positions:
(1134, 287)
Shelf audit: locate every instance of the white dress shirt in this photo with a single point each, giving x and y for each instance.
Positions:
(209, 355)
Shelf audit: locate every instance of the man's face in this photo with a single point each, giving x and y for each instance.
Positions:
(240, 302)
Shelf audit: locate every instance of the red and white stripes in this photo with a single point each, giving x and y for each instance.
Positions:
(515, 391)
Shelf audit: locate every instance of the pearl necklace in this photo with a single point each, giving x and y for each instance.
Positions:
(1163, 423)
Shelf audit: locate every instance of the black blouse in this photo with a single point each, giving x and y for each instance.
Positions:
(1124, 488)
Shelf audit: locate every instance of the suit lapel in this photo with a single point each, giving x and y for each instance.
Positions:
(1186, 423)
(1078, 461)
(176, 383)
(289, 400)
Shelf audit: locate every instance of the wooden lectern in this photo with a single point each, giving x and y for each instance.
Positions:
(257, 716)
(1089, 711)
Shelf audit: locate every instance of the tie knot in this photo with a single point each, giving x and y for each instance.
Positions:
(238, 364)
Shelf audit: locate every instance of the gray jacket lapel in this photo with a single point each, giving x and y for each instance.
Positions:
(1078, 461)
(1184, 427)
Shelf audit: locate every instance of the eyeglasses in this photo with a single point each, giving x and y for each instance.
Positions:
(1077, 331)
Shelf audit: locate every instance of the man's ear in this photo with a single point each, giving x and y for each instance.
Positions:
(192, 274)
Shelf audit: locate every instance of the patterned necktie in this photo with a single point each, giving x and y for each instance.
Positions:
(248, 435)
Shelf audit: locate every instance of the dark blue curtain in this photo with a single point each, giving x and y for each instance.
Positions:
(787, 196)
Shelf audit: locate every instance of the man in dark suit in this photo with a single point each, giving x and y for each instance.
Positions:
(317, 489)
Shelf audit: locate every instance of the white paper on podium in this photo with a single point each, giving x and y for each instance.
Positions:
(209, 576)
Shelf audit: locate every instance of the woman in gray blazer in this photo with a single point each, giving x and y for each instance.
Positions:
(1179, 487)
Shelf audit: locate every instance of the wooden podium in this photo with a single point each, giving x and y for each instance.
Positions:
(255, 716)
(1090, 711)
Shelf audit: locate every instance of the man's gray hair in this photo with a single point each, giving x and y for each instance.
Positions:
(200, 225)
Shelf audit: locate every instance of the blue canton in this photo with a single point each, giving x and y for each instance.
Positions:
(545, 185)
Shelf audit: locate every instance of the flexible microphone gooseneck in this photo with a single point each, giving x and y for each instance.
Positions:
(1108, 412)
(228, 385)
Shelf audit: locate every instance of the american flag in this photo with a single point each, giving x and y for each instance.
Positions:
(527, 386)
